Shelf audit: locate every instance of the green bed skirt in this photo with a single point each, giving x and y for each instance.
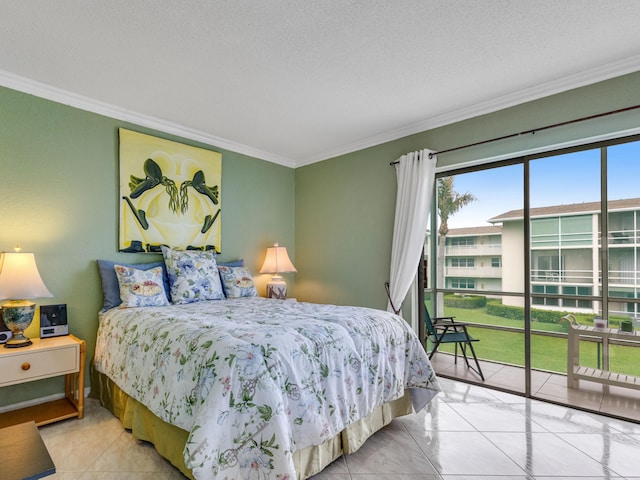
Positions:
(169, 440)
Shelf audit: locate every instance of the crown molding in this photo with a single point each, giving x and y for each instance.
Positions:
(569, 82)
(65, 97)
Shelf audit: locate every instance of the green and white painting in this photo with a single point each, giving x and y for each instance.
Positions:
(169, 195)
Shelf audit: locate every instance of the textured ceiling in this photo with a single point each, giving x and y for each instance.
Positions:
(295, 81)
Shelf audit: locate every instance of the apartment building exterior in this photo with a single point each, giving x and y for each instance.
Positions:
(565, 256)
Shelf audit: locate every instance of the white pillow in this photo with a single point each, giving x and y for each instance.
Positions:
(237, 282)
(141, 288)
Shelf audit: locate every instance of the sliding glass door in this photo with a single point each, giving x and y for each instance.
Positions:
(564, 251)
(515, 247)
(479, 267)
(623, 252)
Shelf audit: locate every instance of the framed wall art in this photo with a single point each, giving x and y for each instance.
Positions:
(169, 195)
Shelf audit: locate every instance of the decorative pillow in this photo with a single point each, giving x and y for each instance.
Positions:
(234, 263)
(141, 288)
(110, 287)
(193, 275)
(237, 282)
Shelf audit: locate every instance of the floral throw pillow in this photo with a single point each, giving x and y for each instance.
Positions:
(237, 282)
(141, 288)
(193, 275)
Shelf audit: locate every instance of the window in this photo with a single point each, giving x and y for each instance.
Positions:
(545, 289)
(468, 283)
(545, 266)
(621, 228)
(461, 241)
(558, 230)
(464, 262)
(577, 291)
(545, 232)
(576, 230)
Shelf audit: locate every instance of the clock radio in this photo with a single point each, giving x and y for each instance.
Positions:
(5, 333)
(53, 321)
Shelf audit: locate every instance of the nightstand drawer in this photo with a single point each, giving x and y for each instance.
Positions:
(27, 366)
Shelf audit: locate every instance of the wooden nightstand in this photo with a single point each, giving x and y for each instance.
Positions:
(47, 357)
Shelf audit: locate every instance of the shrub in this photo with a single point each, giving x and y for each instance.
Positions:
(546, 316)
(465, 301)
(496, 308)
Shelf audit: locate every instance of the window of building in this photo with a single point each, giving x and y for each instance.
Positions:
(545, 232)
(573, 290)
(545, 290)
(463, 262)
(576, 230)
(463, 283)
(622, 228)
(461, 241)
(545, 266)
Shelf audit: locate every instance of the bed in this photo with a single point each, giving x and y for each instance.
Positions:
(244, 388)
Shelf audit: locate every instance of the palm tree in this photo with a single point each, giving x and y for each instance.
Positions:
(449, 202)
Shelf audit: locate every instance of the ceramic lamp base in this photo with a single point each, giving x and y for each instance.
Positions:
(17, 316)
(18, 341)
(277, 290)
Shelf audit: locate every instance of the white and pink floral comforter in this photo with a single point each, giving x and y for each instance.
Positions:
(254, 379)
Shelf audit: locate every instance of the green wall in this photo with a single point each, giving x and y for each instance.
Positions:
(345, 205)
(59, 199)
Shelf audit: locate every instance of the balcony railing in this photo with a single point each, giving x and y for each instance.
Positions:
(549, 352)
(623, 237)
(562, 276)
(474, 272)
(623, 277)
(616, 277)
(473, 250)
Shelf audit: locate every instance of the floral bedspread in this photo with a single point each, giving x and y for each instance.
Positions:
(254, 379)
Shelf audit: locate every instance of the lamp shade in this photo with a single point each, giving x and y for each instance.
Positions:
(19, 277)
(277, 261)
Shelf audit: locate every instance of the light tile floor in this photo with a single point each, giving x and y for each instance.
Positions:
(467, 433)
(614, 401)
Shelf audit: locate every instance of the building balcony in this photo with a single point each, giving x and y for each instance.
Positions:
(473, 250)
(474, 272)
(623, 237)
(562, 276)
(624, 278)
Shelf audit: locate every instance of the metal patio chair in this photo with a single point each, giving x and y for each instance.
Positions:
(447, 330)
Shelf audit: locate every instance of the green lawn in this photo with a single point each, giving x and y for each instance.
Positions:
(547, 353)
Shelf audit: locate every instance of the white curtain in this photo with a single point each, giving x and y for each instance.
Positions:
(415, 173)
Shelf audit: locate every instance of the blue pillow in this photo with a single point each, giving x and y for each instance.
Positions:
(235, 263)
(110, 286)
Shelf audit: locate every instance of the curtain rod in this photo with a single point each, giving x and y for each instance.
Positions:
(532, 131)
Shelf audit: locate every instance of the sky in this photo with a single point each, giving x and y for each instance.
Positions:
(557, 180)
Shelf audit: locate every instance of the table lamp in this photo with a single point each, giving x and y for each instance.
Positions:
(19, 280)
(276, 262)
